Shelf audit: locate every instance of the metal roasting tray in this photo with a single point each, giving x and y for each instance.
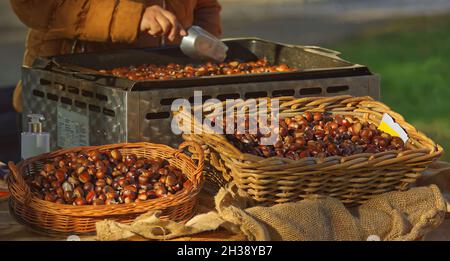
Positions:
(313, 62)
(84, 107)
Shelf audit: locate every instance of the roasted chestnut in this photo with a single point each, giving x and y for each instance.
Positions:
(142, 196)
(161, 191)
(84, 177)
(171, 180)
(79, 201)
(88, 186)
(78, 192)
(315, 135)
(50, 197)
(130, 160)
(68, 196)
(98, 178)
(100, 174)
(176, 71)
(60, 175)
(90, 196)
(116, 155)
(97, 202)
(48, 168)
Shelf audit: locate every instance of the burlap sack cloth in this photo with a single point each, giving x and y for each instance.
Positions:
(404, 215)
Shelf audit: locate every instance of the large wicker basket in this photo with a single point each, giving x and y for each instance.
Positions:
(53, 218)
(352, 179)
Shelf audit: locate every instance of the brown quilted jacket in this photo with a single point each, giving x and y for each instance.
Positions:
(66, 26)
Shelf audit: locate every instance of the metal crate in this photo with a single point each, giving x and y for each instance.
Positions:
(83, 107)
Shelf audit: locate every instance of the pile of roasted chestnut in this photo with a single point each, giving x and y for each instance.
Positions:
(175, 71)
(318, 135)
(105, 178)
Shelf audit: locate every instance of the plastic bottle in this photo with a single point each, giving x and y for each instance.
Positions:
(35, 141)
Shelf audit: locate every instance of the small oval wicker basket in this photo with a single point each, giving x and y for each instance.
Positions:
(352, 179)
(57, 219)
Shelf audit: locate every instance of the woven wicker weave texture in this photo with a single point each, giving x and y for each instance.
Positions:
(51, 218)
(352, 179)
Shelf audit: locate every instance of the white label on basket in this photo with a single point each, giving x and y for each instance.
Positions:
(73, 128)
(389, 125)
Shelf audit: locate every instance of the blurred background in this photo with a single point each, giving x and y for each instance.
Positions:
(406, 42)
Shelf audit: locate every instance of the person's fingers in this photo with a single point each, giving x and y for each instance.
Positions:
(157, 21)
(182, 31)
(176, 26)
(155, 28)
(164, 23)
(175, 31)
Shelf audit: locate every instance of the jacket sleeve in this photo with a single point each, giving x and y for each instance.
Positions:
(88, 20)
(207, 16)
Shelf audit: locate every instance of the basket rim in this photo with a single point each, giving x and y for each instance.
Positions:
(196, 182)
(234, 153)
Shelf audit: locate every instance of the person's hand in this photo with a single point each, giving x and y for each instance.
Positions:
(158, 22)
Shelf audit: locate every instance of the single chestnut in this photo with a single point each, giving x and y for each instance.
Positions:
(79, 201)
(94, 155)
(161, 191)
(116, 155)
(130, 188)
(308, 116)
(49, 197)
(109, 180)
(73, 181)
(116, 173)
(55, 184)
(68, 196)
(130, 159)
(111, 202)
(397, 142)
(43, 173)
(100, 174)
(84, 177)
(139, 163)
(100, 183)
(122, 182)
(48, 168)
(107, 189)
(60, 175)
(98, 202)
(101, 196)
(88, 186)
(128, 199)
(59, 192)
(131, 176)
(151, 194)
(142, 196)
(90, 196)
(78, 192)
(111, 195)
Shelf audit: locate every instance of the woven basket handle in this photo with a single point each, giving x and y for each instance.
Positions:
(16, 177)
(198, 150)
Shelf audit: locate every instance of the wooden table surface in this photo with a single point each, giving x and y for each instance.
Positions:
(11, 230)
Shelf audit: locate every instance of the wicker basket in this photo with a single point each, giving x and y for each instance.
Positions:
(52, 218)
(352, 179)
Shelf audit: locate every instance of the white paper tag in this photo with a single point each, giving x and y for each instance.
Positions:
(73, 128)
(388, 125)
